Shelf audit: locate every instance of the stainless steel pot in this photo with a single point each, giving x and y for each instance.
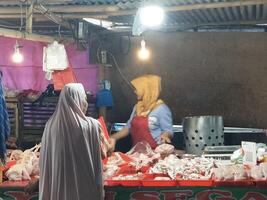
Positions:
(202, 131)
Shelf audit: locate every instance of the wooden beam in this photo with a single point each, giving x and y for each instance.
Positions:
(16, 2)
(230, 23)
(53, 17)
(71, 16)
(182, 27)
(28, 36)
(29, 18)
(66, 9)
(40, 17)
(216, 5)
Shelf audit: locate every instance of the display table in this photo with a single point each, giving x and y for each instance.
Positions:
(15, 191)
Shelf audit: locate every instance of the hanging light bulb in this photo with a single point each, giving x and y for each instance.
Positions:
(143, 53)
(151, 16)
(17, 57)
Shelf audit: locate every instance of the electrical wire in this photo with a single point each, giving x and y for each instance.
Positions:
(120, 72)
(114, 61)
(128, 45)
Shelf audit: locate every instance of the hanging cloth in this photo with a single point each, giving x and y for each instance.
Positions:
(54, 58)
(4, 123)
(63, 77)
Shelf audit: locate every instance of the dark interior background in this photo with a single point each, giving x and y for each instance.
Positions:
(202, 74)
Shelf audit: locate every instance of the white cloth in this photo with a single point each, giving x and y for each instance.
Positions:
(54, 57)
(70, 160)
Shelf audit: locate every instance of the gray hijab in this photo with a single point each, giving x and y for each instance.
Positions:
(70, 160)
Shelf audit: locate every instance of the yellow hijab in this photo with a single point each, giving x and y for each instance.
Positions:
(148, 88)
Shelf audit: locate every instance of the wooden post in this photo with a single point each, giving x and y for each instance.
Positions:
(29, 18)
(102, 110)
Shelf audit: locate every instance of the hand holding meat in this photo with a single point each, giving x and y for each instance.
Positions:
(165, 138)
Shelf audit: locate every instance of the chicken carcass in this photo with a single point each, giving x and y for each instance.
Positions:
(27, 164)
(16, 155)
(164, 149)
(263, 167)
(256, 173)
(18, 172)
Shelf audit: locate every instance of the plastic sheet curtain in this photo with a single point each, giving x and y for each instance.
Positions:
(30, 75)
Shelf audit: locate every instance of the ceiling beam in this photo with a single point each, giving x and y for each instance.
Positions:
(28, 36)
(66, 9)
(230, 23)
(16, 2)
(217, 5)
(51, 16)
(40, 17)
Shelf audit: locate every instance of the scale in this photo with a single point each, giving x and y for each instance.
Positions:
(220, 152)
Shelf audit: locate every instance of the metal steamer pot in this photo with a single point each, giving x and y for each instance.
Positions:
(202, 131)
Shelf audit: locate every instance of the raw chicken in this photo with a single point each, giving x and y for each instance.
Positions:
(164, 149)
(16, 155)
(240, 173)
(256, 173)
(187, 169)
(18, 172)
(263, 167)
(27, 164)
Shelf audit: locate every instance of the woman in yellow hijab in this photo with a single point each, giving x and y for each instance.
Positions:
(151, 119)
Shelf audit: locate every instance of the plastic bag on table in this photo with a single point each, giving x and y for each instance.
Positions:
(237, 156)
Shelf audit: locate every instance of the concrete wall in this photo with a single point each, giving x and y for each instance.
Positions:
(202, 74)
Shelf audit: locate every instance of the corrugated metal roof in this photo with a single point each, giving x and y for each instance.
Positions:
(228, 15)
(249, 14)
(197, 17)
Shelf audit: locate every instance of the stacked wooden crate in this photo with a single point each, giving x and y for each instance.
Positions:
(28, 119)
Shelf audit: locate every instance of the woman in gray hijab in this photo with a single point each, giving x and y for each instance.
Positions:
(70, 160)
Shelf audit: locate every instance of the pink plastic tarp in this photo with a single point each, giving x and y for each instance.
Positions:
(29, 73)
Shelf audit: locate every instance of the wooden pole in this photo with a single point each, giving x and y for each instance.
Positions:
(50, 15)
(102, 75)
(28, 36)
(29, 18)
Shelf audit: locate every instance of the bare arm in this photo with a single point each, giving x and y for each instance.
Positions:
(121, 134)
(117, 136)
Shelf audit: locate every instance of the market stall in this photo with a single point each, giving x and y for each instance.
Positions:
(194, 61)
(11, 192)
(163, 173)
